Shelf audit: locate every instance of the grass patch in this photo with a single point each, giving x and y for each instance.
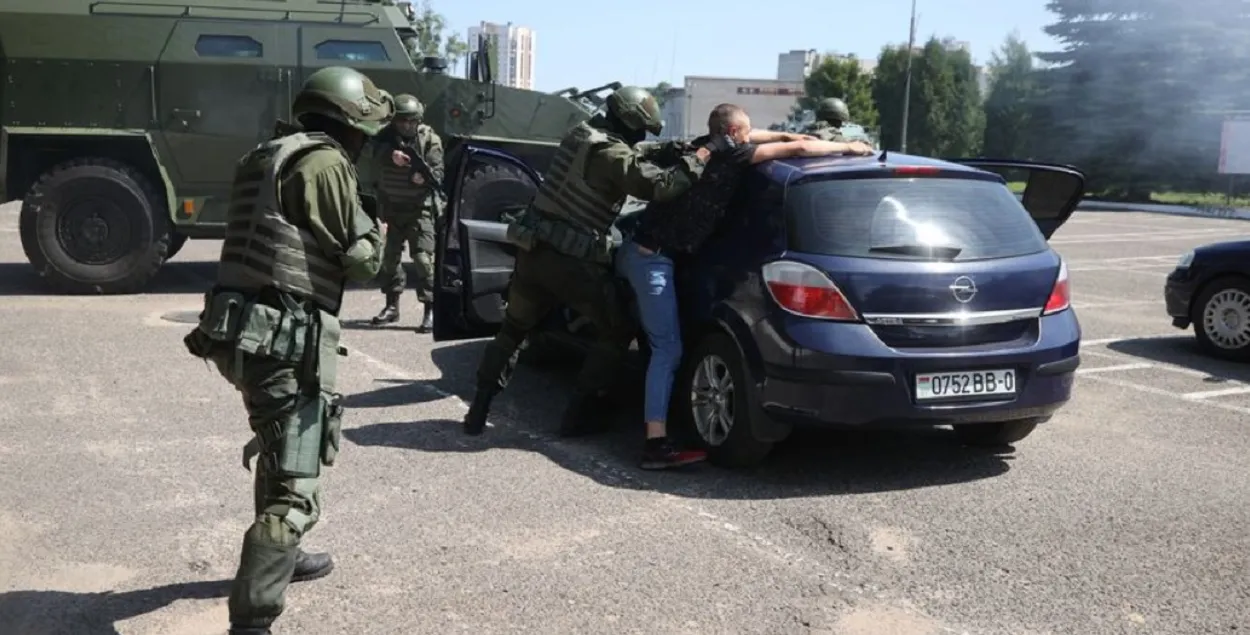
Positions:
(1197, 199)
(1200, 199)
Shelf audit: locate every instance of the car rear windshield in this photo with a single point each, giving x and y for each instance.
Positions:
(910, 218)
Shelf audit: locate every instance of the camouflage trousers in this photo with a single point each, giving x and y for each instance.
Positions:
(286, 508)
(543, 280)
(417, 231)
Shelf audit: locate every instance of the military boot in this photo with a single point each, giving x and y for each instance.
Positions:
(475, 418)
(250, 630)
(312, 566)
(390, 312)
(427, 320)
(587, 413)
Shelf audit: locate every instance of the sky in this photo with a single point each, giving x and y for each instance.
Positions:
(645, 42)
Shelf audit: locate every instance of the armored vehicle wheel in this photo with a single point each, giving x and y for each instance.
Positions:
(95, 225)
(176, 242)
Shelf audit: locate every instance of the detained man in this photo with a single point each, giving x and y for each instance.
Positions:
(679, 227)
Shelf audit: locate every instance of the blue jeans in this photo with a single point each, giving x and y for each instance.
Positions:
(651, 276)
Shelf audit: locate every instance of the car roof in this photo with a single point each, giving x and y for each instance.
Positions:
(783, 171)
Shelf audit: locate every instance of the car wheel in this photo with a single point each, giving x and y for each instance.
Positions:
(95, 225)
(995, 434)
(1221, 318)
(714, 404)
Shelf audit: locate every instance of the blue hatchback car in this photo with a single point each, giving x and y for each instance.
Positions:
(889, 290)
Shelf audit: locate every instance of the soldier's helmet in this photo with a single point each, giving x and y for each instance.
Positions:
(345, 95)
(636, 108)
(832, 109)
(409, 106)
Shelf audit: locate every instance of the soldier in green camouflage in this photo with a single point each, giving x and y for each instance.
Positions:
(565, 251)
(410, 206)
(297, 231)
(830, 113)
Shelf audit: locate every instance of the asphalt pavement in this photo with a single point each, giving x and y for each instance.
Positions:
(123, 503)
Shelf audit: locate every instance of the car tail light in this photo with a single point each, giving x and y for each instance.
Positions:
(1060, 296)
(805, 290)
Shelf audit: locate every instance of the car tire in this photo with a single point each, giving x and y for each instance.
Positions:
(72, 212)
(1221, 300)
(718, 354)
(996, 434)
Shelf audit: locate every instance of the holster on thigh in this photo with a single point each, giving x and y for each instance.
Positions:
(297, 445)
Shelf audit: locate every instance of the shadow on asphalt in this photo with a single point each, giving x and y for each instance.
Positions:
(810, 463)
(1183, 351)
(66, 613)
(195, 277)
(19, 278)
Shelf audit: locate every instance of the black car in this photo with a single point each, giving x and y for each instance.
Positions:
(1210, 288)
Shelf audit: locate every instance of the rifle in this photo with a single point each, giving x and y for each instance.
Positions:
(418, 166)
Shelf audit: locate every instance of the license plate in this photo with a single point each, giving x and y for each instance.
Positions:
(977, 383)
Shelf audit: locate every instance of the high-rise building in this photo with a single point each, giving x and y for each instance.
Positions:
(796, 65)
(515, 50)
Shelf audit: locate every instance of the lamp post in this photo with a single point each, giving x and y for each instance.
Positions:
(911, 45)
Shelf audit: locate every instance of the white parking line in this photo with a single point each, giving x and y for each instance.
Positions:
(1111, 369)
(1165, 393)
(1143, 259)
(1115, 303)
(1172, 368)
(1103, 341)
(1226, 392)
(1138, 238)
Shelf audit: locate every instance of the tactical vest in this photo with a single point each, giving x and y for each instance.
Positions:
(394, 181)
(263, 248)
(564, 194)
(826, 132)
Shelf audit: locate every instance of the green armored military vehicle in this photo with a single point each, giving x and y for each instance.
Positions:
(121, 121)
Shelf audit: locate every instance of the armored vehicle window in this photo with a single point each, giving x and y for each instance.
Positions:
(228, 46)
(349, 51)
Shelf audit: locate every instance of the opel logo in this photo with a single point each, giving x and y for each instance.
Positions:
(964, 289)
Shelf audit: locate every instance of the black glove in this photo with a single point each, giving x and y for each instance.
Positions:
(719, 143)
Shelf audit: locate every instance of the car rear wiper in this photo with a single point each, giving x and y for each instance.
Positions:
(939, 252)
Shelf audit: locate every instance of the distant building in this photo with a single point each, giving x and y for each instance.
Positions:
(767, 101)
(674, 114)
(516, 52)
(796, 65)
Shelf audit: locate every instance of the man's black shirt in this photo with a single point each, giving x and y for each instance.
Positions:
(681, 225)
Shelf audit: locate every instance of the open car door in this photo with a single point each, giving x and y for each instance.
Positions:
(1050, 192)
(473, 260)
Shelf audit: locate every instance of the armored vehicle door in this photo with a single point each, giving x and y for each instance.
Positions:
(221, 86)
(1049, 191)
(474, 261)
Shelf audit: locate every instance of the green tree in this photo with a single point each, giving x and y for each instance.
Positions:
(430, 26)
(662, 91)
(844, 79)
(945, 117)
(1130, 98)
(1010, 104)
